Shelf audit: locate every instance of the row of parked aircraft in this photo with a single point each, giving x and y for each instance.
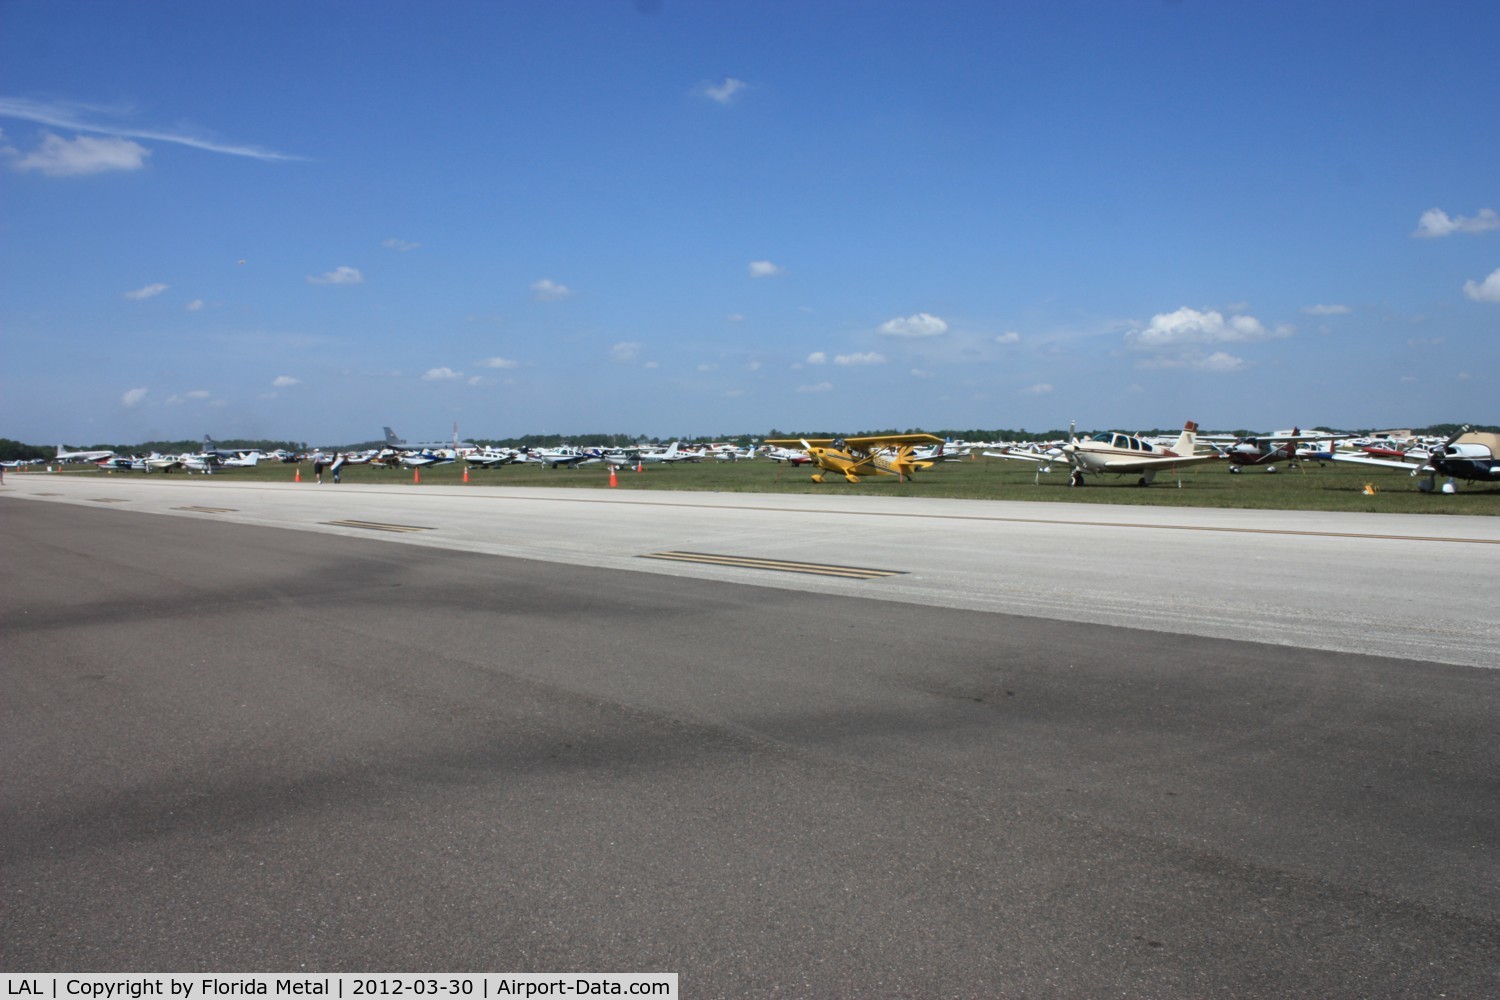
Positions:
(1466, 456)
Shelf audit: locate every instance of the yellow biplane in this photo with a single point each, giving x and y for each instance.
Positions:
(880, 454)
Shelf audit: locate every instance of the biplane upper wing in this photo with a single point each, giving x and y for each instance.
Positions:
(892, 440)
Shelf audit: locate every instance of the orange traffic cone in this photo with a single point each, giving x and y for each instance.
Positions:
(298, 477)
(416, 474)
(613, 479)
(466, 473)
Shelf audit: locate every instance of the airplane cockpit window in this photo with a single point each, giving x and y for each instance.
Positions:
(1135, 444)
(1103, 437)
(1122, 442)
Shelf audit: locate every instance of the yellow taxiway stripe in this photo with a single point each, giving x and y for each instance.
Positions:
(376, 526)
(777, 565)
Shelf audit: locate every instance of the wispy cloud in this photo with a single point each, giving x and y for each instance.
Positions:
(338, 276)
(919, 325)
(402, 245)
(1487, 290)
(866, 358)
(195, 306)
(626, 351)
(1219, 361)
(820, 387)
(722, 93)
(1040, 389)
(498, 362)
(150, 291)
(1435, 223)
(1008, 337)
(1330, 310)
(817, 358)
(134, 397)
(765, 269)
(285, 381)
(547, 290)
(440, 374)
(104, 120)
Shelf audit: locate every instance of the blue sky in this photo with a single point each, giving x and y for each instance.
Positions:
(308, 220)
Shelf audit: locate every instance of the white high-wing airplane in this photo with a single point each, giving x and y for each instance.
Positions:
(1119, 454)
(247, 460)
(647, 456)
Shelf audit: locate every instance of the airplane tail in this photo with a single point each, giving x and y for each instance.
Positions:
(392, 440)
(1187, 440)
(672, 451)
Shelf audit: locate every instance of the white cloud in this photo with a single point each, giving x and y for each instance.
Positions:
(1040, 389)
(820, 387)
(708, 367)
(59, 157)
(1487, 290)
(920, 325)
(176, 400)
(1435, 223)
(1008, 337)
(133, 397)
(1219, 361)
(402, 245)
(440, 374)
(150, 291)
(547, 290)
(338, 276)
(867, 358)
(722, 93)
(285, 381)
(765, 269)
(736, 317)
(1174, 330)
(817, 358)
(194, 305)
(651, 364)
(626, 351)
(753, 366)
(1329, 310)
(476, 380)
(498, 362)
(922, 373)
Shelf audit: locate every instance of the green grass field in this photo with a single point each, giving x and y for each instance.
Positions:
(1333, 487)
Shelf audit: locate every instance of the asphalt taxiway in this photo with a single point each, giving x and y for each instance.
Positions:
(232, 747)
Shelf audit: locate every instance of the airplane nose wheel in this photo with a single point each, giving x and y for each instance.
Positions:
(1075, 478)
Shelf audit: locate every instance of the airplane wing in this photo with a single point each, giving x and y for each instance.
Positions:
(1389, 463)
(800, 444)
(892, 440)
(1165, 462)
(1039, 458)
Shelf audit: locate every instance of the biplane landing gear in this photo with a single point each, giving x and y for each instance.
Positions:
(818, 478)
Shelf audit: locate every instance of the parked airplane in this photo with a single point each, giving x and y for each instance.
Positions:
(1269, 449)
(648, 456)
(796, 456)
(1472, 457)
(1118, 453)
(880, 454)
(83, 456)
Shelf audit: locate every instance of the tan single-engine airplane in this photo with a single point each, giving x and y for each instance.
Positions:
(879, 454)
(1118, 453)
